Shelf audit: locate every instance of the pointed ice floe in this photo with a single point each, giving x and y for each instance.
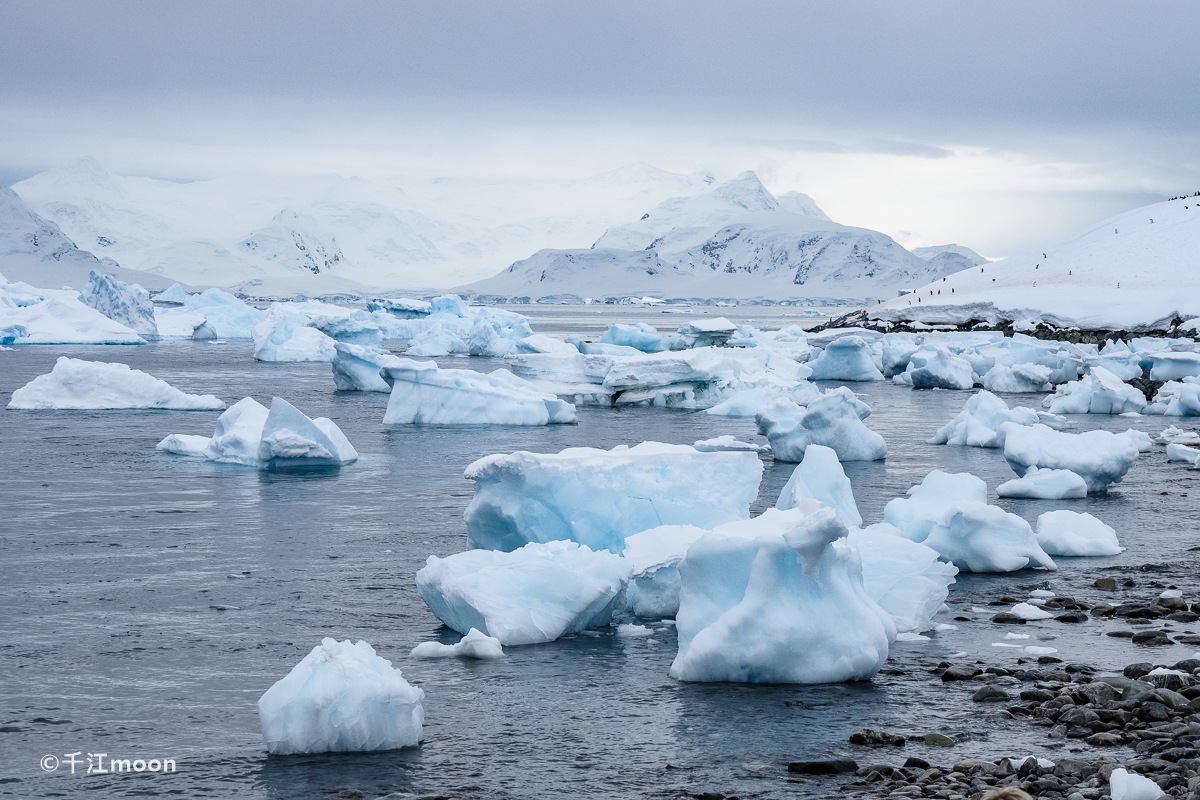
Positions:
(285, 336)
(820, 477)
(341, 698)
(978, 424)
(834, 420)
(96, 385)
(1098, 392)
(534, 594)
(599, 497)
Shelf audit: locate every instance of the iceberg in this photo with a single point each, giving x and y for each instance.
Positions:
(937, 368)
(1101, 458)
(599, 497)
(1177, 399)
(127, 304)
(1045, 484)
(533, 594)
(1126, 366)
(539, 343)
(706, 332)
(978, 424)
(977, 537)
(907, 579)
(285, 336)
(437, 340)
(95, 385)
(401, 307)
(177, 323)
(1174, 435)
(1066, 533)
(182, 444)
(291, 440)
(175, 295)
(495, 333)
(1171, 366)
(225, 316)
(423, 394)
(356, 368)
(238, 434)
(820, 477)
(1017, 378)
(1098, 392)
(846, 359)
(475, 644)
(29, 315)
(783, 605)
(834, 420)
(639, 336)
(915, 514)
(341, 698)
(653, 557)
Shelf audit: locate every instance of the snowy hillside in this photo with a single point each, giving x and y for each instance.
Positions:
(736, 241)
(1136, 271)
(928, 253)
(35, 251)
(331, 233)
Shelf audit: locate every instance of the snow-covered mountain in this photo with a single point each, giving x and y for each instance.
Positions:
(333, 233)
(36, 251)
(1136, 271)
(735, 241)
(928, 253)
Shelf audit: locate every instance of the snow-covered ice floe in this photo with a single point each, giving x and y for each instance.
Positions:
(1188, 455)
(94, 385)
(341, 698)
(475, 644)
(1066, 533)
(358, 368)
(978, 424)
(127, 304)
(424, 394)
(1101, 458)
(834, 420)
(720, 444)
(1045, 484)
(848, 358)
(1017, 378)
(785, 604)
(1177, 399)
(29, 315)
(533, 594)
(285, 336)
(1175, 435)
(599, 497)
(1098, 392)
(937, 368)
(279, 438)
(950, 513)
(653, 557)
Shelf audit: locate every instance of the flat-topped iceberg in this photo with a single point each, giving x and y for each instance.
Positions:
(357, 368)
(285, 336)
(848, 358)
(94, 385)
(720, 444)
(423, 394)
(1045, 484)
(1171, 366)
(341, 698)
(978, 424)
(834, 420)
(1101, 458)
(533, 594)
(786, 605)
(1098, 392)
(599, 497)
(128, 304)
(1066, 533)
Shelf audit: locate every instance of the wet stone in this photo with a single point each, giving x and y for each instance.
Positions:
(1007, 618)
(990, 694)
(1152, 638)
(830, 767)
(1108, 584)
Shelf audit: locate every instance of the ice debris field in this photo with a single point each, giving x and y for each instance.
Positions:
(561, 543)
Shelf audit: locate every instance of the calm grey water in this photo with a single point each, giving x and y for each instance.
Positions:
(148, 601)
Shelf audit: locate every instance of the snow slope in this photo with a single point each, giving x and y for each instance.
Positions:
(734, 241)
(36, 251)
(264, 234)
(955, 249)
(1135, 271)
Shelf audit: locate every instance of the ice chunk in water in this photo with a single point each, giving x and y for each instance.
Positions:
(238, 433)
(1017, 378)
(781, 606)
(291, 440)
(285, 336)
(599, 497)
(846, 359)
(1101, 458)
(475, 644)
(1045, 484)
(536, 593)
(1066, 533)
(423, 394)
(181, 444)
(915, 515)
(356, 368)
(978, 424)
(341, 698)
(97, 385)
(128, 304)
(834, 420)
(938, 368)
(820, 477)
(1098, 392)
(906, 578)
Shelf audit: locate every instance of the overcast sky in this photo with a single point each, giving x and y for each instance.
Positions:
(994, 125)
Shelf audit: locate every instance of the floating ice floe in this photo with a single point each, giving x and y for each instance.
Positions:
(820, 477)
(1066, 533)
(726, 443)
(1171, 366)
(1126, 366)
(174, 295)
(438, 340)
(475, 644)
(279, 438)
(639, 336)
(1179, 452)
(1177, 399)
(357, 368)
(1017, 378)
(1101, 458)
(906, 578)
(599, 497)
(533, 594)
(978, 424)
(424, 394)
(703, 377)
(937, 368)
(496, 332)
(653, 557)
(225, 316)
(1098, 392)
(127, 304)
(285, 336)
(341, 698)
(848, 358)
(1045, 484)
(95, 385)
(29, 315)
(1029, 612)
(539, 343)
(402, 307)
(834, 420)
(949, 513)
(1174, 435)
(784, 606)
